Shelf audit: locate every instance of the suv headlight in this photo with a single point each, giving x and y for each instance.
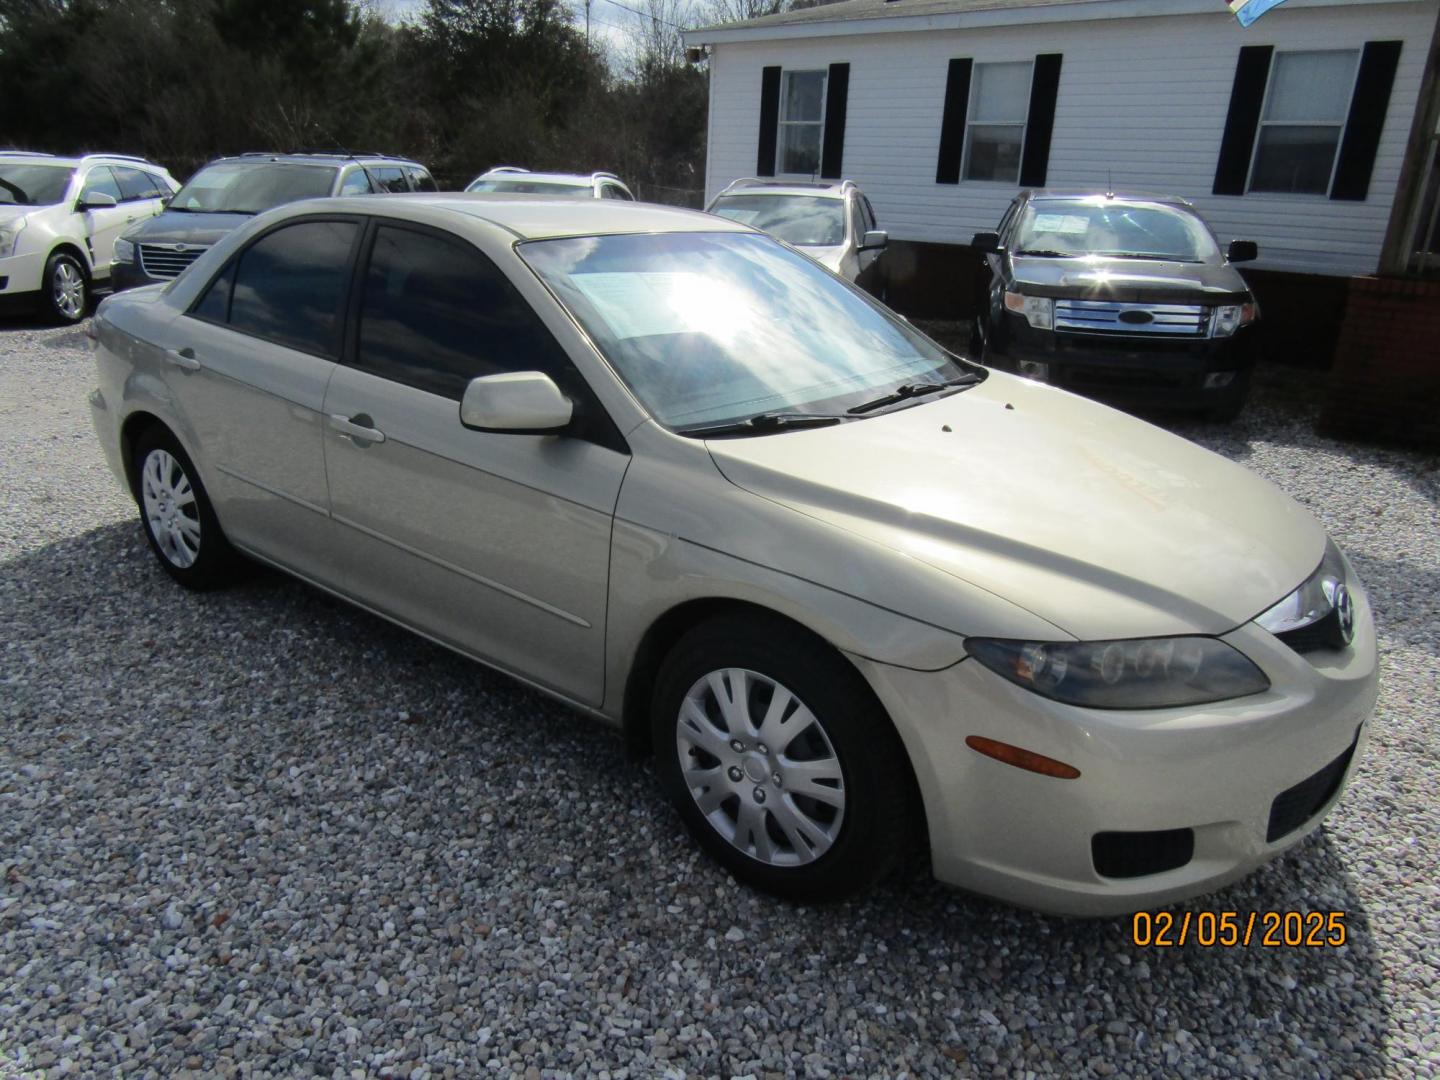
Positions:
(1149, 673)
(1039, 311)
(10, 236)
(1232, 317)
(124, 251)
(1321, 607)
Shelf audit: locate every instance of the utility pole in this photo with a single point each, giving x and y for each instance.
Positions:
(587, 24)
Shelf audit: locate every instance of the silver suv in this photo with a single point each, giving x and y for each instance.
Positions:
(513, 180)
(833, 223)
(59, 220)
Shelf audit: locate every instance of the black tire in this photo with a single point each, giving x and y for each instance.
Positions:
(870, 835)
(65, 289)
(1234, 404)
(212, 562)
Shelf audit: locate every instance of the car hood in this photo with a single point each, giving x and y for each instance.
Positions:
(175, 227)
(9, 212)
(1103, 525)
(1129, 280)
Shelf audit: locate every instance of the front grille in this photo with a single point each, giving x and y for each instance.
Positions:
(162, 261)
(1138, 854)
(1123, 378)
(1110, 317)
(1297, 805)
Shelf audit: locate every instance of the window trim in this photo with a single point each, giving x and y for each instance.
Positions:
(781, 123)
(347, 279)
(971, 123)
(1343, 126)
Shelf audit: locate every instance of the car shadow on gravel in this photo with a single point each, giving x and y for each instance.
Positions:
(531, 818)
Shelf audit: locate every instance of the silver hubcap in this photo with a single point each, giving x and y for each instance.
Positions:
(760, 767)
(69, 290)
(170, 508)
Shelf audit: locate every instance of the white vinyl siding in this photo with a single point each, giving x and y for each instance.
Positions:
(1141, 106)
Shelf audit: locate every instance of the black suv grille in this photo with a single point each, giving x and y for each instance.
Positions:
(1297, 805)
(1136, 854)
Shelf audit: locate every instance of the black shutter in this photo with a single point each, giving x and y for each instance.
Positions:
(1247, 97)
(1367, 118)
(837, 91)
(769, 121)
(1044, 89)
(952, 121)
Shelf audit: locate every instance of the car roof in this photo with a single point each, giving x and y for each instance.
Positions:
(530, 217)
(332, 160)
(69, 161)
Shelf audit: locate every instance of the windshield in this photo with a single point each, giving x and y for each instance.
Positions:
(33, 185)
(710, 328)
(249, 188)
(530, 187)
(802, 220)
(1106, 227)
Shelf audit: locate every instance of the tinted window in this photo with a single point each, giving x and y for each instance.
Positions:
(388, 178)
(355, 183)
(436, 314)
(252, 186)
(215, 304)
(134, 183)
(289, 285)
(101, 181)
(610, 191)
(421, 180)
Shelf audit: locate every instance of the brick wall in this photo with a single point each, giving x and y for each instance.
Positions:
(1385, 382)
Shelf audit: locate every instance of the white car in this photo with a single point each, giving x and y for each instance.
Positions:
(60, 218)
(513, 180)
(854, 593)
(832, 223)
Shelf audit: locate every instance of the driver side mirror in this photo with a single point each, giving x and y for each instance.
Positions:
(1242, 251)
(97, 200)
(875, 240)
(987, 243)
(518, 402)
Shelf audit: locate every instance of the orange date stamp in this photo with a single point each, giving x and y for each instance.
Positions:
(1239, 929)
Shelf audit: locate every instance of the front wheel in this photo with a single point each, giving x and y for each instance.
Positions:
(779, 761)
(65, 293)
(177, 516)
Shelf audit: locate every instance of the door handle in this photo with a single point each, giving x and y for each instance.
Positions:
(356, 427)
(184, 359)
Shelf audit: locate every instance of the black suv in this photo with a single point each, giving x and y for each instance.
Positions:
(1125, 298)
(225, 192)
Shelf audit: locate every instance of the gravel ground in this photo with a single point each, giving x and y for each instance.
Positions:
(260, 833)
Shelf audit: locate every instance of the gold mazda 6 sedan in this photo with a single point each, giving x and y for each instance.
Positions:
(853, 592)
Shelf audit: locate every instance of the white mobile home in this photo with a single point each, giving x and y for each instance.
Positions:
(1297, 133)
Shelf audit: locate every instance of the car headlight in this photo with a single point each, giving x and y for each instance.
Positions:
(1039, 311)
(1150, 673)
(1232, 317)
(124, 251)
(10, 236)
(1320, 609)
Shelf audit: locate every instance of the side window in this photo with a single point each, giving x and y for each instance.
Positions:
(134, 184)
(214, 306)
(389, 178)
(615, 191)
(435, 313)
(101, 181)
(421, 180)
(857, 220)
(355, 183)
(162, 189)
(1008, 219)
(289, 284)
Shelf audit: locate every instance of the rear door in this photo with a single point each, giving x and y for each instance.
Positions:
(496, 543)
(248, 368)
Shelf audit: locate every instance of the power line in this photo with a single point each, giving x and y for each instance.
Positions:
(647, 15)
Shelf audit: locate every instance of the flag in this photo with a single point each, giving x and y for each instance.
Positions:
(1247, 11)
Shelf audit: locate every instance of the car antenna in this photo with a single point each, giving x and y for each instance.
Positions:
(1109, 184)
(351, 156)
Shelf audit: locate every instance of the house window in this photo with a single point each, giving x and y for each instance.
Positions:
(1306, 103)
(995, 132)
(802, 121)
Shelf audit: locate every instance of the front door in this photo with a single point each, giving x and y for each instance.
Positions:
(496, 543)
(104, 224)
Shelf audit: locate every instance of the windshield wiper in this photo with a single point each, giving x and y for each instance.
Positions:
(1046, 253)
(906, 391)
(763, 424)
(1141, 255)
(21, 198)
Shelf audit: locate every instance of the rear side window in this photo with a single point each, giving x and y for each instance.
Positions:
(389, 178)
(214, 306)
(355, 183)
(289, 285)
(136, 184)
(421, 180)
(436, 313)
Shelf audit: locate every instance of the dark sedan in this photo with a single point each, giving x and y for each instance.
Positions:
(1129, 299)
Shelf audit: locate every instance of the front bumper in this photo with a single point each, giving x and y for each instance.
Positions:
(1137, 371)
(1215, 770)
(21, 275)
(128, 275)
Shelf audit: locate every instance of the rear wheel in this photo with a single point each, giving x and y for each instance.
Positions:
(177, 516)
(65, 289)
(779, 760)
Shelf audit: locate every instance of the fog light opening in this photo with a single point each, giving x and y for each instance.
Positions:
(1216, 379)
(1034, 369)
(1022, 759)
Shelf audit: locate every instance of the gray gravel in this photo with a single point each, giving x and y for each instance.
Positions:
(260, 833)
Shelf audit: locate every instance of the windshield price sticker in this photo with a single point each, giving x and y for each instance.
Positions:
(1229, 929)
(1063, 224)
